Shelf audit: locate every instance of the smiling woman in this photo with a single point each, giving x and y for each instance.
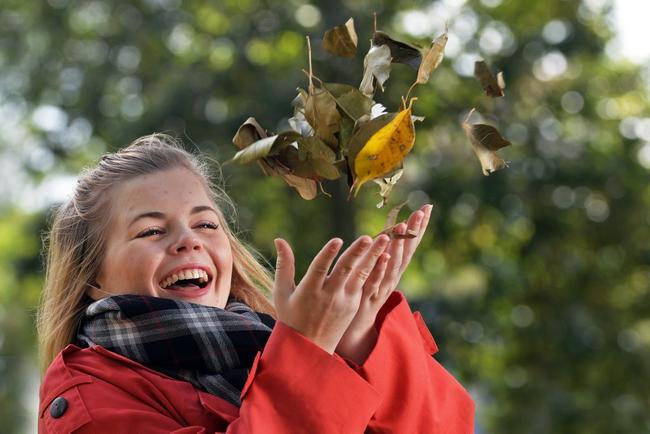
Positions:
(154, 318)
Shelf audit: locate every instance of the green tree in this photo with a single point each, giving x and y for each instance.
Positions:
(534, 280)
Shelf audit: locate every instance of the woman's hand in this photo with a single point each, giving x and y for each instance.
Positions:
(360, 337)
(322, 306)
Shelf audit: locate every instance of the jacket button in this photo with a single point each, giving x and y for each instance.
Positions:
(58, 407)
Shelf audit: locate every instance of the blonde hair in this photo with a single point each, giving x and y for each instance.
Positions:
(75, 243)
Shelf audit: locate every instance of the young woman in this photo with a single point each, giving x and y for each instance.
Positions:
(154, 319)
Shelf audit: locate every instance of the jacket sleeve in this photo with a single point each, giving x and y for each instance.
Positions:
(293, 387)
(418, 394)
(299, 388)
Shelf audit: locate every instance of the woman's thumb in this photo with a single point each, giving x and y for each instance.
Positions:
(284, 266)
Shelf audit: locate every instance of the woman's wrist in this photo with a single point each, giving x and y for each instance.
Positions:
(357, 343)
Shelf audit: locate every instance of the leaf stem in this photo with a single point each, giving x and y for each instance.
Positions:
(311, 82)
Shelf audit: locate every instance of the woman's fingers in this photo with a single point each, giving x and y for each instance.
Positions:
(348, 261)
(372, 284)
(417, 223)
(285, 269)
(317, 271)
(396, 250)
(366, 264)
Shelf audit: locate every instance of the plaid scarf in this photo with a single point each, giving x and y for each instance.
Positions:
(211, 348)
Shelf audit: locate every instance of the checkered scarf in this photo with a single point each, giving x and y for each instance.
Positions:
(212, 348)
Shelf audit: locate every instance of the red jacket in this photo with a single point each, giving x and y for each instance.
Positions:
(293, 387)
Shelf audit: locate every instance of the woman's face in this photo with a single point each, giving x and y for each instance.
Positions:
(165, 240)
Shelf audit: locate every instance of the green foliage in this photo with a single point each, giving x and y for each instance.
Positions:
(535, 280)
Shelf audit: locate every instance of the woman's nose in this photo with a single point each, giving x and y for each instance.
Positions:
(187, 241)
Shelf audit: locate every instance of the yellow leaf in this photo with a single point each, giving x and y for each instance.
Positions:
(384, 150)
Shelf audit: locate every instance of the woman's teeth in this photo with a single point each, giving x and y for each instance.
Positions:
(195, 273)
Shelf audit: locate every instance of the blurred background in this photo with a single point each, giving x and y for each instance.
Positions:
(535, 281)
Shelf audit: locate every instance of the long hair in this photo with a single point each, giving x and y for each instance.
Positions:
(76, 244)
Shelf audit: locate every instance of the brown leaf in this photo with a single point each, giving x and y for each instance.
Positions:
(376, 69)
(322, 115)
(351, 101)
(264, 147)
(485, 140)
(432, 58)
(306, 187)
(400, 52)
(391, 218)
(249, 132)
(390, 225)
(493, 85)
(341, 40)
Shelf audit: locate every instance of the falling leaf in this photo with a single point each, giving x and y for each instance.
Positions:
(306, 187)
(265, 147)
(385, 149)
(341, 40)
(493, 85)
(386, 185)
(322, 115)
(432, 58)
(249, 132)
(376, 67)
(312, 159)
(399, 51)
(362, 132)
(351, 101)
(390, 225)
(486, 140)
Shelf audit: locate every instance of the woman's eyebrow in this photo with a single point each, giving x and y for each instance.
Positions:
(161, 215)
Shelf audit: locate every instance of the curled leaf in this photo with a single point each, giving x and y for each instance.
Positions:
(389, 227)
(432, 58)
(376, 68)
(265, 147)
(486, 140)
(384, 150)
(341, 40)
(250, 131)
(493, 85)
(386, 185)
(400, 52)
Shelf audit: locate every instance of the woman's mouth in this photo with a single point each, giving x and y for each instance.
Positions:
(187, 283)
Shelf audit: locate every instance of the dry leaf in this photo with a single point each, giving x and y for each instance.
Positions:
(311, 159)
(306, 187)
(389, 227)
(386, 185)
(322, 115)
(341, 40)
(351, 101)
(384, 150)
(249, 132)
(399, 51)
(492, 85)
(432, 58)
(363, 130)
(265, 147)
(376, 67)
(486, 140)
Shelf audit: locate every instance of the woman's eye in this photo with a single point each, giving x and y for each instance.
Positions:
(208, 225)
(150, 232)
